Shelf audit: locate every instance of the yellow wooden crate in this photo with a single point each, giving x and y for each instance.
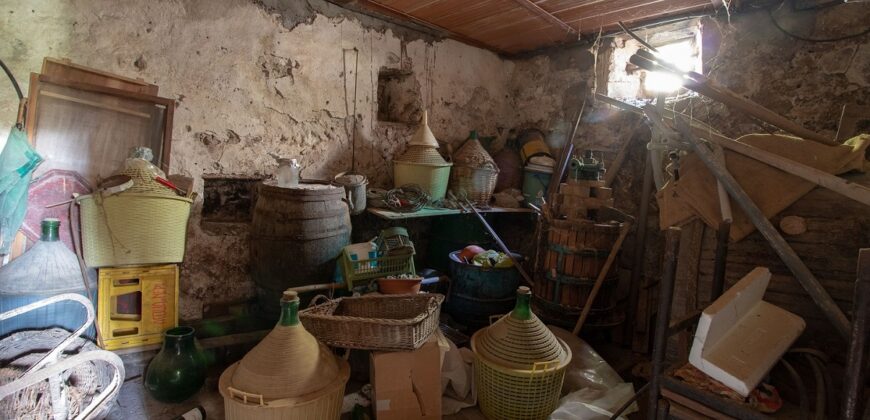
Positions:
(136, 304)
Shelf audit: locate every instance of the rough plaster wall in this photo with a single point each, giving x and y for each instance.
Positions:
(807, 82)
(252, 79)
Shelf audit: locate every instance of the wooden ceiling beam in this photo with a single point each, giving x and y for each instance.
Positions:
(534, 8)
(389, 11)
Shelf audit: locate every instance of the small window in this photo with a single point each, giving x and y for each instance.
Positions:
(679, 43)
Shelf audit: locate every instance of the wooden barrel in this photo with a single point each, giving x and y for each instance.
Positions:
(296, 235)
(574, 256)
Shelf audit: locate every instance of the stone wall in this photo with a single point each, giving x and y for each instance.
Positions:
(254, 78)
(258, 78)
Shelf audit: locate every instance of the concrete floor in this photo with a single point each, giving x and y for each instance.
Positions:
(134, 403)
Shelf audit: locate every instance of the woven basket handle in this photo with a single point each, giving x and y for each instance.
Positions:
(317, 301)
(245, 397)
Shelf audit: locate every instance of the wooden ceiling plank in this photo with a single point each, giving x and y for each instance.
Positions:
(458, 10)
(532, 7)
(609, 21)
(612, 7)
(385, 10)
(493, 19)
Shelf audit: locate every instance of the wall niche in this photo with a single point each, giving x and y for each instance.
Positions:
(399, 98)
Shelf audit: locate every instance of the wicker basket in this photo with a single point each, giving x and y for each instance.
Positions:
(513, 394)
(133, 228)
(519, 365)
(476, 184)
(474, 172)
(391, 323)
(433, 178)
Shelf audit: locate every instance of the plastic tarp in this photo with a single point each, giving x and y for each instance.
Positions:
(17, 163)
(594, 389)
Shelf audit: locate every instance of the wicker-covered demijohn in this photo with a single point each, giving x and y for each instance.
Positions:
(519, 365)
(421, 164)
(289, 375)
(474, 172)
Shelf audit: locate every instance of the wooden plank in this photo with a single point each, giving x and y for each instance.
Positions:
(431, 212)
(546, 15)
(65, 69)
(686, 287)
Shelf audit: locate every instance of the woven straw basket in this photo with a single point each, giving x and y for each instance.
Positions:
(133, 228)
(323, 404)
(476, 184)
(391, 323)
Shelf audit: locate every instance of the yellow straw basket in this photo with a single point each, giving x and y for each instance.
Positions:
(517, 394)
(133, 228)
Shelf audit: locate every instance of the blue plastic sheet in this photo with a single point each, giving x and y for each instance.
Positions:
(17, 163)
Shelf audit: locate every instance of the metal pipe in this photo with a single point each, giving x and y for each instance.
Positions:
(856, 360)
(803, 274)
(663, 317)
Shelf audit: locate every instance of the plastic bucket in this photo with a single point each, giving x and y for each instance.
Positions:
(536, 180)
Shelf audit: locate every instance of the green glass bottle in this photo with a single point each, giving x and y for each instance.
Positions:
(523, 309)
(178, 371)
(289, 309)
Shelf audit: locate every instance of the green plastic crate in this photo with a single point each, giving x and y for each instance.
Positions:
(373, 268)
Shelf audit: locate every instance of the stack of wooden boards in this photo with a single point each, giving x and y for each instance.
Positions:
(581, 199)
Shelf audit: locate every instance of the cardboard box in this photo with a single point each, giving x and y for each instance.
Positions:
(407, 384)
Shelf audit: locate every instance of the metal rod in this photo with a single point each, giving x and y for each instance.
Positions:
(564, 158)
(663, 317)
(639, 248)
(636, 37)
(721, 259)
(803, 274)
(626, 227)
(856, 360)
(704, 86)
(628, 403)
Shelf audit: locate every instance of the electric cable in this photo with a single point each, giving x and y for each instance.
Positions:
(808, 39)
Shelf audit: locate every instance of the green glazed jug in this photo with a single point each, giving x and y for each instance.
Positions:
(178, 371)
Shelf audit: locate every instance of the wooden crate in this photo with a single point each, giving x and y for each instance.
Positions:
(136, 304)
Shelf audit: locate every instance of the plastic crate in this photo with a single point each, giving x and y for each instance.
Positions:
(355, 271)
(136, 304)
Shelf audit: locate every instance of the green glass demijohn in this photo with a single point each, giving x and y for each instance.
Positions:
(178, 371)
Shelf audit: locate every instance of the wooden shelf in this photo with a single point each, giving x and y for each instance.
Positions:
(431, 212)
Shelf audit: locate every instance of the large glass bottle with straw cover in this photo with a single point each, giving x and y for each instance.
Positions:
(287, 375)
(48, 268)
